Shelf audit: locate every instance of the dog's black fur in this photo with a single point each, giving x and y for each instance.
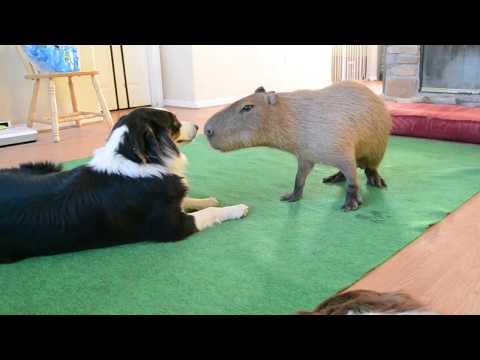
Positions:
(45, 211)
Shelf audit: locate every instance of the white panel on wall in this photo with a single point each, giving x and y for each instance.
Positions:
(137, 75)
(155, 77)
(177, 73)
(103, 63)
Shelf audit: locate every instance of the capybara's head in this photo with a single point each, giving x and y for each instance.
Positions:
(242, 124)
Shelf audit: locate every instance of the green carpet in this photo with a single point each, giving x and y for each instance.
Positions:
(281, 258)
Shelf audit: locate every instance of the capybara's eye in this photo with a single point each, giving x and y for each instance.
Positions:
(246, 108)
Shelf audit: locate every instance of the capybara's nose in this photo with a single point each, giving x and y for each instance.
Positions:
(209, 132)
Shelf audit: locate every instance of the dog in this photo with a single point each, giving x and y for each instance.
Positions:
(132, 190)
(368, 302)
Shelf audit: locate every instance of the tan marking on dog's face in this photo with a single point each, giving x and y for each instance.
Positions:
(185, 134)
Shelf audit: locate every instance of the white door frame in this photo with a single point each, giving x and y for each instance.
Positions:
(372, 62)
(155, 75)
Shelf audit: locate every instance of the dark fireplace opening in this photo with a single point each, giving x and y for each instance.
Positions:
(453, 69)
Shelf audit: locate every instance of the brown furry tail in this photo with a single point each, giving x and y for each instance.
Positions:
(358, 302)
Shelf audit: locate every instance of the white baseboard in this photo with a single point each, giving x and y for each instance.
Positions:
(158, 103)
(179, 103)
(200, 103)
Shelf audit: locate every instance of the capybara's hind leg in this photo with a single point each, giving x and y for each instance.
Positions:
(374, 178)
(353, 200)
(335, 178)
(304, 168)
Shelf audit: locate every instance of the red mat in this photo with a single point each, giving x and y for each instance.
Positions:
(442, 122)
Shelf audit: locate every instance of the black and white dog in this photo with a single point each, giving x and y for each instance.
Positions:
(132, 190)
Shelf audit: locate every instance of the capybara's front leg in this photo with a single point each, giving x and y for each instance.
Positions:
(353, 200)
(304, 168)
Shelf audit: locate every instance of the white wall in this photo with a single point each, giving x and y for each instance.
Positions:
(192, 75)
(16, 91)
(177, 74)
(221, 74)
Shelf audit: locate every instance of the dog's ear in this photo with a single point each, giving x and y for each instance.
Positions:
(159, 147)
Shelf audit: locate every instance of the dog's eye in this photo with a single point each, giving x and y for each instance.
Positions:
(246, 108)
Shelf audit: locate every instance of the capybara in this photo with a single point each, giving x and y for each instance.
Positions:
(344, 125)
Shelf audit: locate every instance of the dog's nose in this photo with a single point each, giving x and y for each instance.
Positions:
(209, 132)
(196, 127)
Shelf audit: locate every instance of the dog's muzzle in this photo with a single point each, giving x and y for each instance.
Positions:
(188, 132)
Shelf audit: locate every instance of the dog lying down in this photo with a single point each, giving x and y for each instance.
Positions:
(133, 189)
(367, 302)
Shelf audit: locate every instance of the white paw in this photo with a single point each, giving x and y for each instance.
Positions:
(236, 211)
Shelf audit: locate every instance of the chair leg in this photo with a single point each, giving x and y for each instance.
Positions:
(53, 110)
(73, 98)
(105, 111)
(33, 103)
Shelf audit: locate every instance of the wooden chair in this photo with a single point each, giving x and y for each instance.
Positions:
(55, 119)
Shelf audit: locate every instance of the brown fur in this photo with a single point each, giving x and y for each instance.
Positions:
(367, 301)
(344, 125)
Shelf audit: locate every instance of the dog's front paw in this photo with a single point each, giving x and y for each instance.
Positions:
(236, 212)
(243, 209)
(211, 202)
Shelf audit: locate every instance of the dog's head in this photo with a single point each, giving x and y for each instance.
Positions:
(151, 136)
(145, 143)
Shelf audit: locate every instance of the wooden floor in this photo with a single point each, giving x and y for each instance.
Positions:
(440, 268)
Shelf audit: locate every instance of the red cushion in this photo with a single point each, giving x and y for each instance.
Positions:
(443, 122)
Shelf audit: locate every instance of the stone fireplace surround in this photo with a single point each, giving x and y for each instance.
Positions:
(402, 79)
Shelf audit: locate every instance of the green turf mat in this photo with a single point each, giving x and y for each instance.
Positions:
(281, 258)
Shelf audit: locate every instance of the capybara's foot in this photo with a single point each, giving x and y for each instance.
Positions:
(353, 199)
(291, 197)
(335, 178)
(374, 178)
(352, 203)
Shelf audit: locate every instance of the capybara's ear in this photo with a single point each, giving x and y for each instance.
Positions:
(260, 89)
(271, 98)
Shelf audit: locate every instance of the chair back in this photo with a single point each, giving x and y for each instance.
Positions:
(31, 70)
